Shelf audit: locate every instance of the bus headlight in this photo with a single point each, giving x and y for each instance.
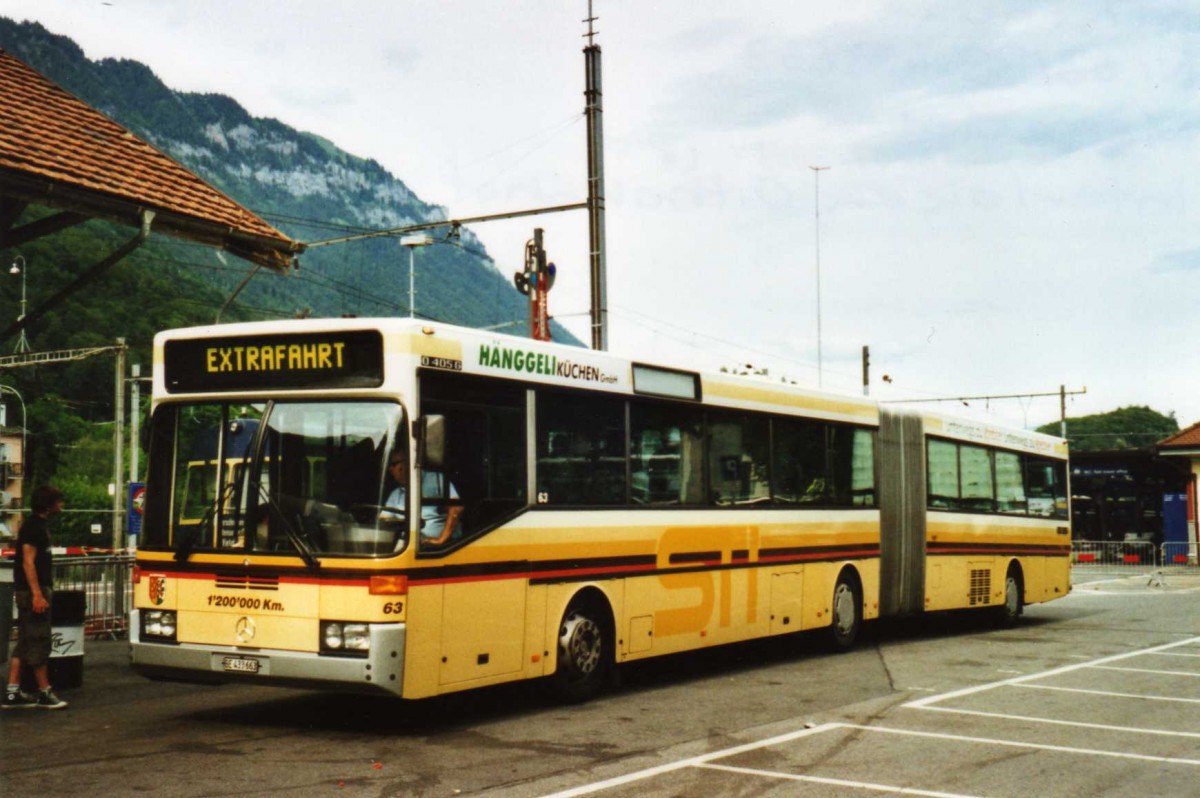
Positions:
(158, 624)
(338, 637)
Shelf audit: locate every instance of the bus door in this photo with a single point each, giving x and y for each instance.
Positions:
(482, 468)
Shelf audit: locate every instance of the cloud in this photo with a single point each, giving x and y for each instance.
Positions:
(1187, 260)
(993, 138)
(851, 70)
(991, 83)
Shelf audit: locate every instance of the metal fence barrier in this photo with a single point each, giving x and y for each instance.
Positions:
(1178, 554)
(105, 580)
(102, 576)
(1130, 554)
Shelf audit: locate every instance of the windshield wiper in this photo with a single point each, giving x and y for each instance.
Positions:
(302, 544)
(192, 536)
(298, 540)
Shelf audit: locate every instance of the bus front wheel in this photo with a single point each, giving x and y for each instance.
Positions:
(584, 652)
(846, 616)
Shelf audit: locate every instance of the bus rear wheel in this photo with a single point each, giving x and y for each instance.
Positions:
(1008, 613)
(584, 652)
(846, 617)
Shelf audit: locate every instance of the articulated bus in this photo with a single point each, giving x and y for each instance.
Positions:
(412, 509)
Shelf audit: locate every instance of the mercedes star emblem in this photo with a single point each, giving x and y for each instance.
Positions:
(244, 629)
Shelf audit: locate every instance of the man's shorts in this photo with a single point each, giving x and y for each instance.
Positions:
(33, 630)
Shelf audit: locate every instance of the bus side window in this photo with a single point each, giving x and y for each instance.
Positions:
(738, 455)
(798, 470)
(484, 423)
(1010, 485)
(666, 462)
(943, 475)
(580, 449)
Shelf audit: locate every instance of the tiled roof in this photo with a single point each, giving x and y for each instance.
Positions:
(57, 150)
(1188, 438)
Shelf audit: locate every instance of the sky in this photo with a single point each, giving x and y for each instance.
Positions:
(1009, 205)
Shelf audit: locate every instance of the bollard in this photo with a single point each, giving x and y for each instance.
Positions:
(67, 610)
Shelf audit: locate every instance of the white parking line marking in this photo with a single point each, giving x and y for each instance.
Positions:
(1037, 746)
(1193, 674)
(1073, 723)
(588, 789)
(1175, 654)
(1110, 694)
(925, 703)
(861, 785)
(928, 703)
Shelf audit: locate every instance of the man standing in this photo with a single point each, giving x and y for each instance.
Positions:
(34, 587)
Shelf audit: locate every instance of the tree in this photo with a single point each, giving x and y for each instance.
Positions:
(1123, 428)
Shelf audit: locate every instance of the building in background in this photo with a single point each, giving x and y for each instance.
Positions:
(1125, 495)
(1183, 448)
(12, 476)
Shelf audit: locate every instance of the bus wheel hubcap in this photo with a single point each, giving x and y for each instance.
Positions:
(579, 644)
(1010, 596)
(843, 609)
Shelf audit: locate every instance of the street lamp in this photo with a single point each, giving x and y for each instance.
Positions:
(412, 242)
(23, 341)
(817, 206)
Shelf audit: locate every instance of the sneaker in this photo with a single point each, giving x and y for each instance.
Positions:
(18, 699)
(46, 699)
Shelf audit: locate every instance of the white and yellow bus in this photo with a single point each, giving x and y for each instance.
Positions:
(577, 510)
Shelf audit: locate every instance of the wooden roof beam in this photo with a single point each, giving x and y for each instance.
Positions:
(48, 225)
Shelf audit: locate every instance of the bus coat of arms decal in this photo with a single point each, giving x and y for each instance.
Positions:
(158, 589)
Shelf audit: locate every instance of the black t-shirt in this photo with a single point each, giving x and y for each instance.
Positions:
(33, 533)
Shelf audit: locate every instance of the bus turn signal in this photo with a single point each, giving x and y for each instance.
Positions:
(389, 585)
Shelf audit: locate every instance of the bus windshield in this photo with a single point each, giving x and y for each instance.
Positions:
(300, 477)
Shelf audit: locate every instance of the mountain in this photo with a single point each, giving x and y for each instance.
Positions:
(301, 183)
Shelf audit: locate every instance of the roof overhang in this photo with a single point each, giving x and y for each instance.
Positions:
(79, 205)
(59, 152)
(1191, 451)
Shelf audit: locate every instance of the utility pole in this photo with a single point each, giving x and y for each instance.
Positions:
(593, 111)
(1062, 405)
(119, 447)
(866, 357)
(817, 216)
(135, 395)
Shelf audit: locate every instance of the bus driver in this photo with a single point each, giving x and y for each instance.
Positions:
(438, 521)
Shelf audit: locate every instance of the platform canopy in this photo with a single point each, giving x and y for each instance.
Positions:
(59, 152)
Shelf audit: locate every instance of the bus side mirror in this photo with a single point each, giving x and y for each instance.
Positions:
(431, 442)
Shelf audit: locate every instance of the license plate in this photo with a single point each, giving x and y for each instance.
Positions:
(241, 664)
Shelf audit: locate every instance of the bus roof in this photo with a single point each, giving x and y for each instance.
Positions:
(439, 346)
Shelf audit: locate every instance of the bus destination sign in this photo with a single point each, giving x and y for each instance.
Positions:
(286, 361)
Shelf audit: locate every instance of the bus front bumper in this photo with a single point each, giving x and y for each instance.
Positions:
(382, 670)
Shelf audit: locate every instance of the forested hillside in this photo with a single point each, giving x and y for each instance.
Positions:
(1123, 428)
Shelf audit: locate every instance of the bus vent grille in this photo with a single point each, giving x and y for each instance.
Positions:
(247, 582)
(981, 587)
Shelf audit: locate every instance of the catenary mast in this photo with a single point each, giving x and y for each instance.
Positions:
(593, 111)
